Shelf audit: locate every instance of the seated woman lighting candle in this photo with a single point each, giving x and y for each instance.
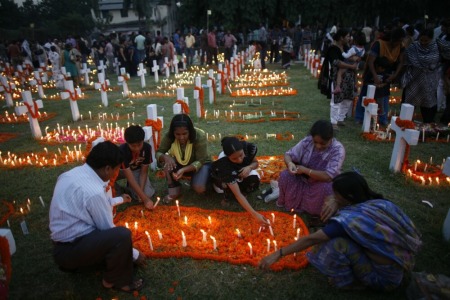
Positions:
(184, 152)
(234, 172)
(369, 242)
(311, 165)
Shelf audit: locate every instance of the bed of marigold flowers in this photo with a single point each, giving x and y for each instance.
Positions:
(222, 225)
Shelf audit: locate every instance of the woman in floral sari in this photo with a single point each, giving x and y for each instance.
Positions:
(369, 242)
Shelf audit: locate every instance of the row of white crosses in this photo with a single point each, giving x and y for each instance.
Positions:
(371, 110)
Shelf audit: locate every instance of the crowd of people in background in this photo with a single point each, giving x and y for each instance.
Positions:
(416, 57)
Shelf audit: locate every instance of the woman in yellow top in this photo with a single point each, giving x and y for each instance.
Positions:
(184, 152)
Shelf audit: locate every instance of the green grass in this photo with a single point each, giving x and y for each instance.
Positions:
(35, 275)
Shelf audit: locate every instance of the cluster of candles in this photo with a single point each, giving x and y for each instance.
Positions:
(13, 118)
(61, 134)
(281, 91)
(427, 173)
(203, 234)
(42, 159)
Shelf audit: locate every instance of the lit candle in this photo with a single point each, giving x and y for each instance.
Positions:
(135, 226)
(157, 201)
(142, 213)
(178, 208)
(209, 219)
(126, 224)
(250, 248)
(275, 245)
(149, 240)
(214, 242)
(185, 219)
(183, 243)
(295, 221)
(273, 217)
(431, 160)
(298, 233)
(238, 233)
(271, 230)
(159, 234)
(268, 245)
(204, 235)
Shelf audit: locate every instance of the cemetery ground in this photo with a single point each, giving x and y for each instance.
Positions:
(36, 276)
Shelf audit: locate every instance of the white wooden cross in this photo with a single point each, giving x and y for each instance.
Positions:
(155, 70)
(196, 60)
(220, 74)
(212, 86)
(177, 108)
(38, 81)
(198, 101)
(402, 137)
(116, 65)
(7, 87)
(85, 72)
(167, 66)
(236, 67)
(103, 85)
(183, 59)
(371, 110)
(242, 60)
(175, 62)
(122, 80)
(43, 72)
(141, 73)
(73, 94)
(31, 108)
(230, 69)
(149, 132)
(102, 67)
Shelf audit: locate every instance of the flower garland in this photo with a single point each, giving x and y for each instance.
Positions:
(4, 136)
(184, 106)
(73, 96)
(34, 114)
(367, 101)
(219, 224)
(287, 136)
(156, 128)
(405, 124)
(104, 86)
(10, 211)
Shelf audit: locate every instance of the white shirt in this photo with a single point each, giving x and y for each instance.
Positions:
(79, 205)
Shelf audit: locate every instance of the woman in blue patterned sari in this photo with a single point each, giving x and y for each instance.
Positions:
(369, 242)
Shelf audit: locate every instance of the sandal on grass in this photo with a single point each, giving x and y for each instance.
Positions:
(136, 285)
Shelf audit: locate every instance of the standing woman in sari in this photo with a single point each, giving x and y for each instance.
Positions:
(421, 78)
(391, 48)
